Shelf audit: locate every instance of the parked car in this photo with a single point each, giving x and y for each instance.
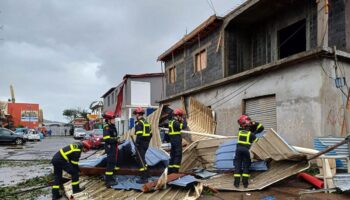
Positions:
(32, 135)
(95, 137)
(8, 136)
(79, 133)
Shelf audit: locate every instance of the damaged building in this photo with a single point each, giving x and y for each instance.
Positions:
(275, 61)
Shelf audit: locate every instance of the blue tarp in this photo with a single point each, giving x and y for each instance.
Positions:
(92, 162)
(224, 157)
(128, 182)
(127, 156)
(184, 181)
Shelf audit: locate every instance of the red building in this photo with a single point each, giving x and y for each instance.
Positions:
(25, 114)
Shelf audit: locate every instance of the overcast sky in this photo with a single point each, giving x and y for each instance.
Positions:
(66, 54)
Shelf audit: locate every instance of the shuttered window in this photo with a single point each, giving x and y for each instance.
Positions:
(263, 110)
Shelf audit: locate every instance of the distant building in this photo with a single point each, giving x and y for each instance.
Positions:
(24, 114)
(135, 90)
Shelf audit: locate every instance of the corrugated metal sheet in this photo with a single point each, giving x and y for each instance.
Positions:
(342, 181)
(262, 110)
(202, 173)
(278, 170)
(95, 190)
(225, 154)
(271, 145)
(184, 181)
(324, 142)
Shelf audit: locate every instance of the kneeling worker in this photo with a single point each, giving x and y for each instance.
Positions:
(67, 159)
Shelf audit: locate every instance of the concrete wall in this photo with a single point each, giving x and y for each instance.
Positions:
(186, 77)
(300, 91)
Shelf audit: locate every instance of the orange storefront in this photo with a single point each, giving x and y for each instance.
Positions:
(25, 114)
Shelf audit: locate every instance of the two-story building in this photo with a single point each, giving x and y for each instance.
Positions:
(136, 90)
(276, 61)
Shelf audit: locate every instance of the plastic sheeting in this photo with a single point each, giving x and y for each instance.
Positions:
(127, 155)
(225, 154)
(128, 182)
(184, 181)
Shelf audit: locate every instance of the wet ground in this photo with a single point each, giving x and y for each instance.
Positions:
(22, 165)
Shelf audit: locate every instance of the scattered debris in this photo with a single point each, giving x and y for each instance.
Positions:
(314, 181)
(342, 181)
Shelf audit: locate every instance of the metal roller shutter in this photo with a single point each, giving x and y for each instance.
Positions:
(263, 110)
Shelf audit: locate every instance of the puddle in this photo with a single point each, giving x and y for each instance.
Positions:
(13, 175)
(15, 147)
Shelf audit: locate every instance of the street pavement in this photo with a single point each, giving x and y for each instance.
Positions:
(43, 150)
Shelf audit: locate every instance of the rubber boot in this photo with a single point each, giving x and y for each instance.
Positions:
(245, 182)
(77, 189)
(56, 194)
(236, 182)
(110, 181)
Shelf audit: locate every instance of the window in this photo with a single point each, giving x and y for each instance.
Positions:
(113, 100)
(201, 60)
(292, 39)
(172, 75)
(108, 100)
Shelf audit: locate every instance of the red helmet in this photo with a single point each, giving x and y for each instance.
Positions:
(86, 144)
(178, 111)
(139, 110)
(243, 121)
(108, 115)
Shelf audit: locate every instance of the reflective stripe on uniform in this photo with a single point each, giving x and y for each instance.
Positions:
(142, 169)
(109, 173)
(75, 183)
(144, 131)
(73, 148)
(245, 175)
(116, 168)
(259, 126)
(74, 162)
(55, 187)
(171, 128)
(106, 137)
(243, 134)
(236, 175)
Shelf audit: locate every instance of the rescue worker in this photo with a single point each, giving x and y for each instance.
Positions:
(143, 133)
(110, 137)
(67, 159)
(175, 126)
(242, 157)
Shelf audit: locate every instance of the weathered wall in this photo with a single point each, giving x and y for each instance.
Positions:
(186, 77)
(332, 102)
(297, 89)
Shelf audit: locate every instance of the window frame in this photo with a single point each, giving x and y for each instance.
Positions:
(199, 54)
(171, 79)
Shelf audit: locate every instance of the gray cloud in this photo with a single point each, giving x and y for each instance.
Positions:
(63, 54)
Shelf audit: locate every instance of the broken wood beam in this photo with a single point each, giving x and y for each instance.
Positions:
(203, 134)
(95, 171)
(149, 186)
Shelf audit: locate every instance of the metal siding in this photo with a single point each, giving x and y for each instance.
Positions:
(263, 110)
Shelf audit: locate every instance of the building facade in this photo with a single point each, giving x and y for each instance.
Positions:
(266, 60)
(24, 114)
(142, 90)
